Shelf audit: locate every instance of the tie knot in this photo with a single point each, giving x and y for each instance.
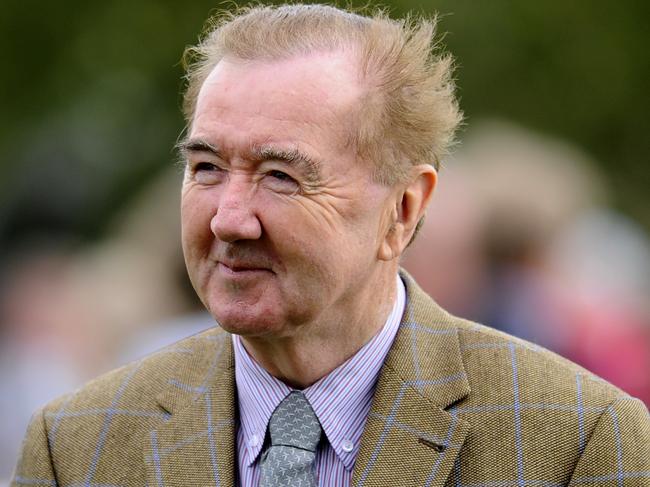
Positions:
(295, 424)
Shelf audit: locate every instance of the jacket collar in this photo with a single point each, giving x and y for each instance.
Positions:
(409, 438)
(197, 445)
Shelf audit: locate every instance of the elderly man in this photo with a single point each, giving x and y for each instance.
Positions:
(311, 154)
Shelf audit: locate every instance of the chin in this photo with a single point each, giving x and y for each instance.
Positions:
(240, 319)
(240, 307)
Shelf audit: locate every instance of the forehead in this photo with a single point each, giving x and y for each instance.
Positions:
(301, 100)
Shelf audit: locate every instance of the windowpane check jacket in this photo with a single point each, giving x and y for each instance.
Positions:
(457, 405)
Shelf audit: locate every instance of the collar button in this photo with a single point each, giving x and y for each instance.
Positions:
(347, 446)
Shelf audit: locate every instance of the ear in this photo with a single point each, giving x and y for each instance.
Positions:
(412, 200)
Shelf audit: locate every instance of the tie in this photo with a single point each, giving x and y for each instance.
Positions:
(295, 432)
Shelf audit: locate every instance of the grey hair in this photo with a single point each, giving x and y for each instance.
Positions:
(409, 112)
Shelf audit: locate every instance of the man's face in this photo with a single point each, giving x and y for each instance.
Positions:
(281, 222)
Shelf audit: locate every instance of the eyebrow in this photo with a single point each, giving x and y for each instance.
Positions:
(293, 157)
(197, 145)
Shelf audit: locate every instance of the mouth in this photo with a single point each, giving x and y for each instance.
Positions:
(240, 268)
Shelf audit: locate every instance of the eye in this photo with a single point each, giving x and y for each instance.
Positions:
(207, 173)
(204, 166)
(280, 182)
(282, 176)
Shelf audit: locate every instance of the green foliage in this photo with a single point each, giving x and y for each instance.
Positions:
(90, 104)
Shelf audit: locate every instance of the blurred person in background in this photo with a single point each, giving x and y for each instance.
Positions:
(529, 250)
(324, 314)
(525, 245)
(69, 314)
(42, 350)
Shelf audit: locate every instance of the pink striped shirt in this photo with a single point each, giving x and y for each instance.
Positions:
(341, 401)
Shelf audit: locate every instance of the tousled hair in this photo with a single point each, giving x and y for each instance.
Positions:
(408, 114)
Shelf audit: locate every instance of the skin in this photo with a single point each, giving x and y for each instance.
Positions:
(287, 241)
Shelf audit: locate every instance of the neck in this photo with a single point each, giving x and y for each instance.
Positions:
(302, 359)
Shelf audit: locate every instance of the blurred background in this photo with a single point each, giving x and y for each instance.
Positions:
(539, 225)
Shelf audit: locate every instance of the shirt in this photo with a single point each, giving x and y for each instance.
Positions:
(341, 401)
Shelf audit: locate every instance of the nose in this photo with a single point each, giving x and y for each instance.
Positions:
(235, 219)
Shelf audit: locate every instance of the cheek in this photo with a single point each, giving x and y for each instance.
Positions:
(322, 244)
(328, 228)
(195, 221)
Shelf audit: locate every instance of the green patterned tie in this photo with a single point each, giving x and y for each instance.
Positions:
(295, 433)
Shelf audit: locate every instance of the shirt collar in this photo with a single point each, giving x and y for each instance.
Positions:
(341, 399)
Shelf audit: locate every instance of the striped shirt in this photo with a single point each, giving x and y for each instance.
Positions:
(341, 401)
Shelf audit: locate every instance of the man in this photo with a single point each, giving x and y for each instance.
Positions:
(311, 154)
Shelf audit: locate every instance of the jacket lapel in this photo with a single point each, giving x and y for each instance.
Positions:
(197, 445)
(410, 439)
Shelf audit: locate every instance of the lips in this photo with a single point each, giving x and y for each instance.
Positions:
(241, 259)
(242, 267)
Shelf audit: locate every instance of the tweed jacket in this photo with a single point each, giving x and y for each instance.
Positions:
(457, 405)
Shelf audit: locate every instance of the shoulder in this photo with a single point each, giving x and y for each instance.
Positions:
(501, 368)
(531, 414)
(498, 364)
(557, 419)
(98, 430)
(183, 365)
